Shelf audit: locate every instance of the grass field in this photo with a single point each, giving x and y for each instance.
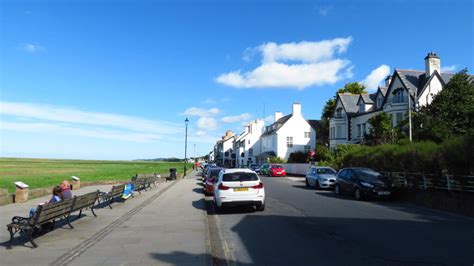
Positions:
(39, 173)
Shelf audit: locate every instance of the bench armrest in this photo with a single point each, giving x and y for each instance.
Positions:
(19, 220)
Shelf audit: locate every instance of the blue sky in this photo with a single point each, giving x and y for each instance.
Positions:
(116, 79)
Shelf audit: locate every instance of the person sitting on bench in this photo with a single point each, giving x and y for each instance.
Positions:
(57, 196)
(66, 189)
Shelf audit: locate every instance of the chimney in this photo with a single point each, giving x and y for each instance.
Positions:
(432, 63)
(388, 80)
(296, 109)
(277, 116)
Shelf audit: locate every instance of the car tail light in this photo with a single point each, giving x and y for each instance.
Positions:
(259, 186)
(222, 187)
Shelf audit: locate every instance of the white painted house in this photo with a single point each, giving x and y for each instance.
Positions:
(247, 145)
(349, 122)
(288, 134)
(223, 149)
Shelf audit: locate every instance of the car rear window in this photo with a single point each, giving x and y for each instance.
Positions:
(326, 171)
(239, 177)
(276, 166)
(214, 173)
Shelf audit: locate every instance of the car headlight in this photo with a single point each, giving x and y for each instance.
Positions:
(365, 184)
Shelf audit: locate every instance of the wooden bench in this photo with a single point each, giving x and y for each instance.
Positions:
(109, 197)
(86, 201)
(50, 213)
(44, 214)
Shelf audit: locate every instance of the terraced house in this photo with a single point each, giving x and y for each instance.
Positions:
(403, 89)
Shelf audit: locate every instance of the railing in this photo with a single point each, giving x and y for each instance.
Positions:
(462, 183)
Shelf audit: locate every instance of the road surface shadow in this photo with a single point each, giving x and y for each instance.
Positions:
(185, 258)
(211, 209)
(290, 240)
(198, 190)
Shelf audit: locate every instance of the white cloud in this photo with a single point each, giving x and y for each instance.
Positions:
(200, 112)
(32, 48)
(378, 75)
(209, 101)
(207, 124)
(323, 10)
(269, 119)
(236, 118)
(52, 128)
(74, 122)
(201, 133)
(451, 68)
(313, 64)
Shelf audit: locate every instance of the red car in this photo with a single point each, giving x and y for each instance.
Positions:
(210, 180)
(276, 170)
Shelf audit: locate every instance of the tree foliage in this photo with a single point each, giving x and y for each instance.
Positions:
(275, 160)
(381, 131)
(450, 114)
(298, 157)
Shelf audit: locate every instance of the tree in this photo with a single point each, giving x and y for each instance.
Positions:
(328, 109)
(275, 160)
(381, 131)
(450, 114)
(298, 157)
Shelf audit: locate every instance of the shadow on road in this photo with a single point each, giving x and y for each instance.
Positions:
(184, 258)
(198, 190)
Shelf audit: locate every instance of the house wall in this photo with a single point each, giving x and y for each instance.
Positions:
(295, 127)
(359, 120)
(433, 88)
(334, 123)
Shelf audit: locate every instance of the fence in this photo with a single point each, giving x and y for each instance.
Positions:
(431, 181)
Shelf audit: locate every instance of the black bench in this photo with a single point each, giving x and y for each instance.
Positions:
(44, 214)
(109, 197)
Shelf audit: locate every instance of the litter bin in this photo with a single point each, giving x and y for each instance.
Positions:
(172, 173)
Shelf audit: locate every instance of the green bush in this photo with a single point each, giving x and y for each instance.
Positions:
(275, 160)
(298, 157)
(454, 156)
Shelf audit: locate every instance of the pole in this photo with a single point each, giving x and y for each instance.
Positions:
(409, 116)
(186, 146)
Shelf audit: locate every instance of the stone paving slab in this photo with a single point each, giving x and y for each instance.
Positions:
(62, 239)
(163, 226)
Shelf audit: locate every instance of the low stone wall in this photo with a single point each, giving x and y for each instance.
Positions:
(450, 201)
(298, 169)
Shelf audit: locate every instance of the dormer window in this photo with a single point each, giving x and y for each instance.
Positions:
(379, 102)
(361, 107)
(398, 96)
(339, 112)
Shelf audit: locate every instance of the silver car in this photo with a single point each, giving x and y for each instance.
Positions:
(321, 177)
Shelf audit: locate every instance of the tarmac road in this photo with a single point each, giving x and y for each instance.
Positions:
(304, 226)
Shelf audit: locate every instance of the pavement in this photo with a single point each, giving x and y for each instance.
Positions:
(166, 225)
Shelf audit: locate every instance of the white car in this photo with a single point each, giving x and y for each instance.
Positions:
(239, 187)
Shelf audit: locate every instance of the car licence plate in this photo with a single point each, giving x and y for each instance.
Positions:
(279, 173)
(383, 193)
(239, 189)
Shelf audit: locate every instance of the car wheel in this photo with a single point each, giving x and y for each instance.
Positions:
(316, 185)
(260, 207)
(307, 183)
(357, 194)
(337, 190)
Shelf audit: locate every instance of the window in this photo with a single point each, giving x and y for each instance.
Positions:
(249, 142)
(399, 118)
(226, 154)
(307, 148)
(242, 154)
(250, 152)
(239, 177)
(358, 130)
(339, 112)
(364, 129)
(361, 107)
(398, 96)
(307, 135)
(331, 133)
(289, 142)
(379, 102)
(338, 132)
(349, 175)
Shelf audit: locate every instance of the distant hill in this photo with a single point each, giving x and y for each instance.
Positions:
(161, 160)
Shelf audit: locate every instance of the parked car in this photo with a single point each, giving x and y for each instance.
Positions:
(255, 167)
(321, 177)
(276, 170)
(205, 173)
(362, 183)
(210, 180)
(239, 187)
(264, 169)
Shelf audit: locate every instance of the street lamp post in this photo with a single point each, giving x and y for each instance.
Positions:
(186, 146)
